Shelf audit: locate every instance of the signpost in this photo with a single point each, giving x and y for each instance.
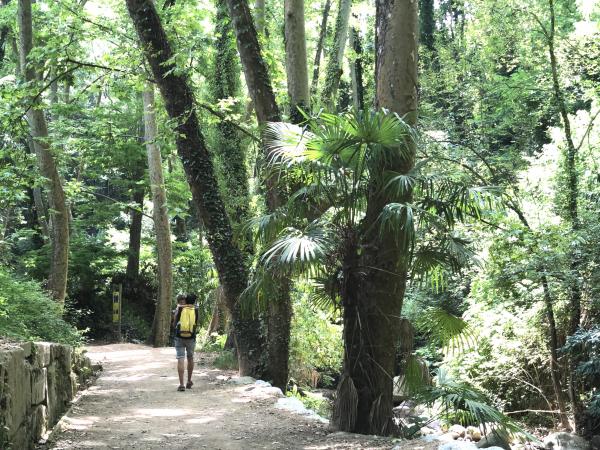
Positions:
(117, 295)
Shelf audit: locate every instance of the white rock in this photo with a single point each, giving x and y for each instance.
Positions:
(457, 445)
(458, 429)
(565, 441)
(296, 406)
(241, 380)
(262, 383)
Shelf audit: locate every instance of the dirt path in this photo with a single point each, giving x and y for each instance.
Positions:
(134, 405)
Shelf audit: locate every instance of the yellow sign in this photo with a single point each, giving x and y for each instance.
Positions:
(116, 306)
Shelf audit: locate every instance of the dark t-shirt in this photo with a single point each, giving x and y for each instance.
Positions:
(177, 314)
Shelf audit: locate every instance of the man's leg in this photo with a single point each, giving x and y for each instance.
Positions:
(190, 347)
(190, 368)
(180, 370)
(180, 355)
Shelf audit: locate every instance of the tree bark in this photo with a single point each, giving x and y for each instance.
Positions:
(135, 235)
(356, 71)
(3, 35)
(372, 316)
(259, 16)
(179, 103)
(333, 72)
(59, 217)
(229, 145)
(261, 91)
(427, 20)
(295, 59)
(573, 217)
(317, 64)
(162, 316)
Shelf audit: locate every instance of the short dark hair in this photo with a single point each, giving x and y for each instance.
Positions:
(190, 299)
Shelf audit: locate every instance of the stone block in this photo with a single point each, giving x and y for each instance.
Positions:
(38, 422)
(42, 354)
(27, 348)
(39, 386)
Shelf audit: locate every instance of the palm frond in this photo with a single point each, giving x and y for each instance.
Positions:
(398, 219)
(302, 247)
(451, 332)
(267, 226)
(286, 143)
(458, 396)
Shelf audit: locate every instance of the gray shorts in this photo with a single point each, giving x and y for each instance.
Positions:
(183, 346)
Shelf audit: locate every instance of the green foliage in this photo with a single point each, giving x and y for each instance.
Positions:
(27, 313)
(456, 400)
(315, 346)
(226, 360)
(584, 346)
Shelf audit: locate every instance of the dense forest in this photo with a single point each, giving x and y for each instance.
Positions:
(393, 199)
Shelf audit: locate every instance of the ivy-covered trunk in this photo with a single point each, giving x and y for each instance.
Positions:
(197, 163)
(261, 92)
(333, 70)
(229, 146)
(372, 315)
(572, 216)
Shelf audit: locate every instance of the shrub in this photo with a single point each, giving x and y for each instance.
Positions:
(226, 360)
(316, 349)
(27, 313)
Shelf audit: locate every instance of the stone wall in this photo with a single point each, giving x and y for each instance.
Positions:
(37, 383)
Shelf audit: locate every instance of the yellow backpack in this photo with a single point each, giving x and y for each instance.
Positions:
(187, 320)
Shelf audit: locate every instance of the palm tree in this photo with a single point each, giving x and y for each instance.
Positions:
(336, 161)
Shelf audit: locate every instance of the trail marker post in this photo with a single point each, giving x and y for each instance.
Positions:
(117, 295)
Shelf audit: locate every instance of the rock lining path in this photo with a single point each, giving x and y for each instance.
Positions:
(134, 405)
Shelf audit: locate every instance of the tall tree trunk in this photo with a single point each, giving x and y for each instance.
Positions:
(3, 35)
(317, 64)
(179, 102)
(573, 217)
(59, 217)
(552, 333)
(261, 91)
(356, 71)
(229, 145)
(259, 16)
(427, 22)
(372, 316)
(295, 59)
(135, 235)
(162, 229)
(333, 71)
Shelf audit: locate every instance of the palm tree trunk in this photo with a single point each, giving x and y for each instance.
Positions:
(372, 323)
(59, 216)
(197, 163)
(162, 315)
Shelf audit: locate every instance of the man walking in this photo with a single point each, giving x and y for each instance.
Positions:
(185, 319)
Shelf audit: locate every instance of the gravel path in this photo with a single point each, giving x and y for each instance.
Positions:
(134, 405)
